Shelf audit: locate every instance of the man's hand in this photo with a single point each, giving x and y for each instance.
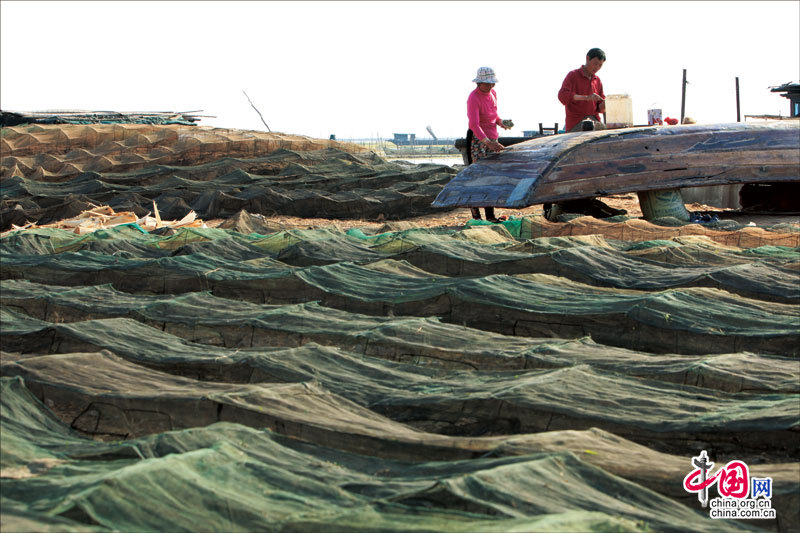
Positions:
(594, 97)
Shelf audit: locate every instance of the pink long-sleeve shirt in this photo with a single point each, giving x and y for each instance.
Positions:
(482, 114)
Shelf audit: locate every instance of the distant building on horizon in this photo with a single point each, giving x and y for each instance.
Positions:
(792, 92)
(404, 138)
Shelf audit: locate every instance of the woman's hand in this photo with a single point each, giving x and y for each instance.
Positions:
(492, 146)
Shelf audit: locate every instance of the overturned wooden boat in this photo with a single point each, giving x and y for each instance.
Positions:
(572, 166)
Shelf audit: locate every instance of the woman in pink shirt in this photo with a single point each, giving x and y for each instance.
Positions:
(483, 121)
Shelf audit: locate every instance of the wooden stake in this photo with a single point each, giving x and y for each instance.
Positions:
(738, 116)
(683, 96)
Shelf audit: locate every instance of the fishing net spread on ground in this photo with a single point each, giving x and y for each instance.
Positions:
(259, 375)
(203, 318)
(59, 152)
(629, 301)
(237, 478)
(450, 402)
(328, 183)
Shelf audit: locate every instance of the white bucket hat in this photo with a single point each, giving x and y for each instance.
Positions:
(485, 75)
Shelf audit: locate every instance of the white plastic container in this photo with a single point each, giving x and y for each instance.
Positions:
(619, 111)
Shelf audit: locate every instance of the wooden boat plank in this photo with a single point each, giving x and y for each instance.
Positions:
(634, 165)
(656, 180)
(611, 148)
(580, 165)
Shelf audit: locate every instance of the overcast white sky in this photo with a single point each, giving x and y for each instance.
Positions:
(362, 69)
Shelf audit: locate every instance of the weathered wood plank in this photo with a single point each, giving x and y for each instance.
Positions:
(632, 165)
(609, 148)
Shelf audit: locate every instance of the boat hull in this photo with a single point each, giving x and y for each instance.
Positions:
(585, 164)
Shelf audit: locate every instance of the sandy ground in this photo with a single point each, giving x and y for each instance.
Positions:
(459, 217)
(454, 218)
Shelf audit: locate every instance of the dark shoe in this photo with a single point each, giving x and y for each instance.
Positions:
(699, 217)
(602, 210)
(476, 213)
(490, 213)
(582, 206)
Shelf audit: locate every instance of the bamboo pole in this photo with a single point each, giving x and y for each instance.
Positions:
(257, 111)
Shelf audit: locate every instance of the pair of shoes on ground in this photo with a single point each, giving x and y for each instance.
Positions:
(476, 215)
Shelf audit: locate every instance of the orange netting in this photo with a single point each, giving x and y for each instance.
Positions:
(60, 151)
(642, 230)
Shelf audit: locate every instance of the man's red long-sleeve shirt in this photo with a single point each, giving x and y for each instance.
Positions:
(577, 83)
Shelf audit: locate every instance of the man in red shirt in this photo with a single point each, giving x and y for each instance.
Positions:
(582, 93)
(583, 98)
